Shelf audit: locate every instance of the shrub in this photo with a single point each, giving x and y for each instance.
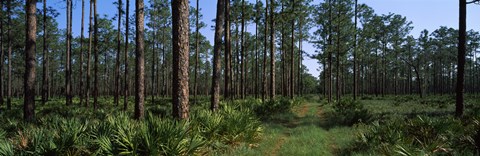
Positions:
(418, 136)
(350, 112)
(438, 101)
(107, 131)
(230, 125)
(404, 99)
(6, 148)
(281, 105)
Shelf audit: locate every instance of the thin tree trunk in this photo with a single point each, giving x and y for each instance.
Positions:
(139, 61)
(376, 71)
(242, 60)
(300, 58)
(180, 32)
(197, 43)
(256, 50)
(125, 89)
(461, 58)
(90, 31)
(117, 62)
(337, 69)
(154, 60)
(2, 57)
(29, 77)
(283, 83)
(164, 71)
(264, 79)
(338, 57)
(237, 61)
(329, 51)
(68, 63)
(272, 51)
(9, 44)
(355, 78)
(95, 53)
(228, 50)
(81, 55)
(106, 77)
(45, 56)
(292, 55)
(215, 99)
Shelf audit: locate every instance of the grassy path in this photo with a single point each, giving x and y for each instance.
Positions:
(305, 131)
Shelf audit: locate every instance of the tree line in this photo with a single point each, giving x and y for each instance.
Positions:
(361, 52)
(170, 57)
(364, 53)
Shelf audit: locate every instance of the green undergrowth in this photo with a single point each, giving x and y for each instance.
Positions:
(77, 130)
(390, 125)
(418, 136)
(409, 125)
(304, 130)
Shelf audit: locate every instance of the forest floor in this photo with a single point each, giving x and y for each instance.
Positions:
(312, 128)
(305, 131)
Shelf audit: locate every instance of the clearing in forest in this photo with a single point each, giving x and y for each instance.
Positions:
(305, 131)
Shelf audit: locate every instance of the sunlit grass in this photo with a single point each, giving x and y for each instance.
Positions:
(318, 132)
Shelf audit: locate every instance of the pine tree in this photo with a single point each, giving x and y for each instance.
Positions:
(30, 61)
(180, 42)
(139, 60)
(216, 55)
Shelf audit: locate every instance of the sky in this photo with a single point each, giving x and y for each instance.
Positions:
(425, 14)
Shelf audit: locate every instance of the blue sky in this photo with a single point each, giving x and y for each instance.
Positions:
(425, 14)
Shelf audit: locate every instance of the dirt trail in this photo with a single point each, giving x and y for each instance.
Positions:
(303, 111)
(300, 113)
(280, 141)
(321, 116)
(307, 130)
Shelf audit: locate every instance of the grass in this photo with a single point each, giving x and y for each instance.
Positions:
(299, 127)
(313, 129)
(77, 130)
(304, 131)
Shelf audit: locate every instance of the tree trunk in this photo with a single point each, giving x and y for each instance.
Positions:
(9, 44)
(95, 53)
(125, 89)
(2, 57)
(337, 68)
(228, 50)
(376, 71)
(242, 40)
(68, 63)
(355, 77)
(106, 76)
(197, 43)
(180, 32)
(29, 77)
(216, 55)
(292, 55)
(461, 58)
(139, 60)
(256, 51)
(300, 58)
(81, 55)
(90, 27)
(419, 79)
(164, 71)
(236, 62)
(329, 59)
(283, 83)
(154, 61)
(272, 51)
(44, 57)
(264, 79)
(117, 62)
